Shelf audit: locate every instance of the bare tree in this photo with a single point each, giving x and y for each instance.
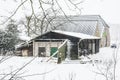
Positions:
(40, 20)
(109, 67)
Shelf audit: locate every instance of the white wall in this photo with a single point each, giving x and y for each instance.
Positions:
(25, 52)
(47, 46)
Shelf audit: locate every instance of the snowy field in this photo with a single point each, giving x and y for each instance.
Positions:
(38, 69)
(89, 68)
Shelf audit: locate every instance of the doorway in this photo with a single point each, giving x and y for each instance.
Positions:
(53, 50)
(41, 52)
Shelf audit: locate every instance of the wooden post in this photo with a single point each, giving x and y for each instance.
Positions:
(91, 47)
(34, 48)
(59, 58)
(78, 50)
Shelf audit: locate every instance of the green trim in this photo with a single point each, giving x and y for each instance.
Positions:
(53, 50)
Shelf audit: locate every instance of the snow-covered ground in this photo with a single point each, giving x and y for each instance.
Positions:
(38, 69)
(86, 69)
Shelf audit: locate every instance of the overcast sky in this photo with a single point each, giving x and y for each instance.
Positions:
(108, 9)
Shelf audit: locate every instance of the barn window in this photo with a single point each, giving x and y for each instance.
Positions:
(41, 51)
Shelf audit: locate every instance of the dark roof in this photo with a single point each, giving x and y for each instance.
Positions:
(75, 34)
(72, 34)
(81, 23)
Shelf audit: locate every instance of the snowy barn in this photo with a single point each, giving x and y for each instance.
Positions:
(62, 43)
(74, 36)
(88, 24)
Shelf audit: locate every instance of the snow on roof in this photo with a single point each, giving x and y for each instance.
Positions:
(75, 34)
(85, 24)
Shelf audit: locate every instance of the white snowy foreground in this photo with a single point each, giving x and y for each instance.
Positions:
(38, 69)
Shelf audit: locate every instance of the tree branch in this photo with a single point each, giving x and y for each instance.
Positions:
(14, 12)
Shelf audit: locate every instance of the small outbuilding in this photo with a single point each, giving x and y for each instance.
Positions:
(61, 44)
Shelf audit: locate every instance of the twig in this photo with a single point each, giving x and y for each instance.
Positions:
(38, 73)
(22, 67)
(14, 12)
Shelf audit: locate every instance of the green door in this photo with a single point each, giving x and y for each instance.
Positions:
(53, 50)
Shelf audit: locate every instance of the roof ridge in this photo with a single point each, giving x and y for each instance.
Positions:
(80, 15)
